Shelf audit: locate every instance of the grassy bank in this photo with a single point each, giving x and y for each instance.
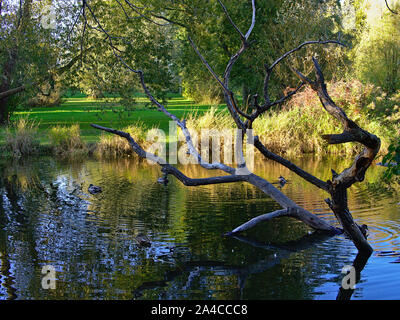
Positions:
(296, 128)
(84, 111)
(65, 129)
(293, 129)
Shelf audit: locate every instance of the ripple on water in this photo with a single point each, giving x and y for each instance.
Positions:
(80, 231)
(384, 235)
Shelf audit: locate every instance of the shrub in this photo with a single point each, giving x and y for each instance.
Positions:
(297, 126)
(112, 146)
(392, 160)
(21, 137)
(66, 141)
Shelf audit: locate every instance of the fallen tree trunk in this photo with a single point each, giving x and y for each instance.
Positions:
(337, 187)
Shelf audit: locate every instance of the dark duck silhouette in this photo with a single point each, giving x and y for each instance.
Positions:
(163, 180)
(94, 189)
(282, 181)
(143, 240)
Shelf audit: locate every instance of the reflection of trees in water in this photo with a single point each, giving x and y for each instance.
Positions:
(17, 240)
(47, 217)
(47, 223)
(219, 280)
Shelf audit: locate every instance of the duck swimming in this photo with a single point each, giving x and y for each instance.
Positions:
(282, 180)
(94, 189)
(163, 180)
(143, 240)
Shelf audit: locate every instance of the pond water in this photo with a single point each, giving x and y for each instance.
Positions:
(47, 217)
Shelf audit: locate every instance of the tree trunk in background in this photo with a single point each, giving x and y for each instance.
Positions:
(3, 111)
(245, 93)
(10, 63)
(8, 69)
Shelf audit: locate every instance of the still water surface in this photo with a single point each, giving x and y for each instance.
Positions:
(47, 217)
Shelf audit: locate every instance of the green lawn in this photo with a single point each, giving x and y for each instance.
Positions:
(86, 111)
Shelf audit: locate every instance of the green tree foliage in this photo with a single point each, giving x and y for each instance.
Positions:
(133, 40)
(152, 36)
(392, 161)
(31, 52)
(379, 47)
(280, 27)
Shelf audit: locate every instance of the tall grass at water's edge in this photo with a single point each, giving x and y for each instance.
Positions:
(21, 138)
(293, 129)
(112, 146)
(66, 141)
(298, 126)
(287, 132)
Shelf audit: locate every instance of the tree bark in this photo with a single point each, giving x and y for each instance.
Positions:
(356, 173)
(337, 188)
(3, 111)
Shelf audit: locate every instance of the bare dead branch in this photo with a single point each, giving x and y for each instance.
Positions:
(294, 212)
(292, 167)
(391, 10)
(207, 65)
(341, 182)
(264, 217)
(351, 133)
(253, 20)
(166, 167)
(292, 209)
(337, 187)
(231, 21)
(244, 38)
(182, 124)
(261, 109)
(284, 56)
(229, 97)
(264, 185)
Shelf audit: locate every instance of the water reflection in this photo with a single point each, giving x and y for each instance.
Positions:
(47, 216)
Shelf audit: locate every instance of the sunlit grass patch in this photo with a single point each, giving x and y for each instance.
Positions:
(66, 141)
(113, 146)
(86, 111)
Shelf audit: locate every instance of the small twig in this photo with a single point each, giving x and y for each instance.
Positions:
(391, 10)
(231, 21)
(270, 68)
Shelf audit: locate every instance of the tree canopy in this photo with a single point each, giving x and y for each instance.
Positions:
(153, 36)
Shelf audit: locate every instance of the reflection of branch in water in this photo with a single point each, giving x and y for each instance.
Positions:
(196, 267)
(305, 242)
(359, 263)
(190, 266)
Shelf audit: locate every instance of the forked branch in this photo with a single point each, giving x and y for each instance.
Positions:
(337, 187)
(356, 173)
